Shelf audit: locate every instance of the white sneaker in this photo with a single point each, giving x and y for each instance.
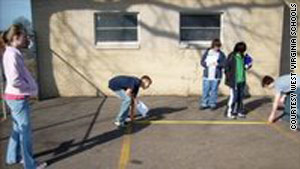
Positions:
(42, 166)
(230, 116)
(240, 115)
(128, 119)
(13, 163)
(119, 124)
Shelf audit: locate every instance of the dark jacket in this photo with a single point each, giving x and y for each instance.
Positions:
(221, 64)
(230, 70)
(124, 83)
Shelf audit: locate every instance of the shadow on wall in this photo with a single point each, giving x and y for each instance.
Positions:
(46, 55)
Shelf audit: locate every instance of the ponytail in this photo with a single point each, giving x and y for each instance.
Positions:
(14, 30)
(2, 43)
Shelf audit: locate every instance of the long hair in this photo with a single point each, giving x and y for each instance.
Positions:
(2, 44)
(13, 30)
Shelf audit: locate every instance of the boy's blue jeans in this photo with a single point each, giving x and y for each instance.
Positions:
(210, 92)
(20, 143)
(125, 105)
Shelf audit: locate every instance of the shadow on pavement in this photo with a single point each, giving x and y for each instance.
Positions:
(94, 114)
(253, 105)
(64, 150)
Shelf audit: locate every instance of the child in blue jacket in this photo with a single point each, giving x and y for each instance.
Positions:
(213, 62)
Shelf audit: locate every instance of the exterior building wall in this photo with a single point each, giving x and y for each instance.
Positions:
(70, 64)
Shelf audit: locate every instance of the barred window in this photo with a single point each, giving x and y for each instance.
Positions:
(116, 27)
(199, 27)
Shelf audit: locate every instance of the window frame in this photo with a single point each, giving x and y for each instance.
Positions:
(117, 44)
(199, 43)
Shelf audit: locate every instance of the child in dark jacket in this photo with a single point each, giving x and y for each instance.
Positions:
(213, 62)
(235, 70)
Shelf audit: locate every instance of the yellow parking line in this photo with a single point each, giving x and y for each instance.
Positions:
(126, 146)
(202, 122)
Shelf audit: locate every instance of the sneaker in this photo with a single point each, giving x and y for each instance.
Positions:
(10, 163)
(241, 115)
(231, 116)
(42, 166)
(117, 123)
(128, 119)
(213, 107)
(14, 163)
(203, 107)
(120, 124)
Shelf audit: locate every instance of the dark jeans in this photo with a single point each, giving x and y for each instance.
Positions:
(235, 103)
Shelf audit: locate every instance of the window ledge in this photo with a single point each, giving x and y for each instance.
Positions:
(118, 45)
(194, 44)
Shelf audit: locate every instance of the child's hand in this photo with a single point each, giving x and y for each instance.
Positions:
(271, 118)
(213, 64)
(247, 67)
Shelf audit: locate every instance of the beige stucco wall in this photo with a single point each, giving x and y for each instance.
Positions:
(67, 28)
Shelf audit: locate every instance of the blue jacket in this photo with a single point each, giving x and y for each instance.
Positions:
(221, 64)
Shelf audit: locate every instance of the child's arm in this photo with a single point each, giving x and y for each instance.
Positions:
(129, 92)
(276, 103)
(133, 104)
(228, 63)
(203, 59)
(222, 61)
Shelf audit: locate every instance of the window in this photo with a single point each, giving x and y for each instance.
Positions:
(199, 27)
(116, 27)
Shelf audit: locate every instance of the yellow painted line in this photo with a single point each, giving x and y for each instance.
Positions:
(202, 122)
(126, 146)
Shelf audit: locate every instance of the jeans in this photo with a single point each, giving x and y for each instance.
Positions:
(125, 105)
(20, 143)
(210, 93)
(235, 101)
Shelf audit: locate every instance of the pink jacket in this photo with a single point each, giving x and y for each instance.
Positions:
(19, 81)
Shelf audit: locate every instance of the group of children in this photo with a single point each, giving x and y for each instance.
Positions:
(215, 63)
(235, 65)
(20, 86)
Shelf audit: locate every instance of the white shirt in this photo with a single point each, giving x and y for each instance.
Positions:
(212, 57)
